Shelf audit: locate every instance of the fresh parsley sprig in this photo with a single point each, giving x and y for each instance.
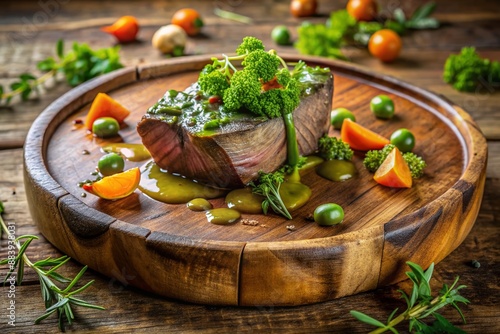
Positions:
(78, 65)
(57, 300)
(421, 304)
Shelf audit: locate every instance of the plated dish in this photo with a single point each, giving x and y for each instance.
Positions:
(175, 252)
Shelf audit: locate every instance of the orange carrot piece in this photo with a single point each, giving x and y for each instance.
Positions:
(105, 106)
(394, 171)
(360, 138)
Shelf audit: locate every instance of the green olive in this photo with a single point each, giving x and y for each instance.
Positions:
(105, 127)
(338, 115)
(329, 214)
(403, 139)
(111, 163)
(382, 106)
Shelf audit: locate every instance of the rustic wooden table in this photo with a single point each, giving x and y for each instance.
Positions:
(28, 33)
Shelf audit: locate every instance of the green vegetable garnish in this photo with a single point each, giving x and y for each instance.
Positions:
(268, 185)
(264, 86)
(467, 71)
(80, 64)
(374, 159)
(421, 304)
(60, 299)
(330, 148)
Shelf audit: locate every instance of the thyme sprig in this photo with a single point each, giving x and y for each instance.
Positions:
(57, 300)
(78, 65)
(268, 185)
(421, 304)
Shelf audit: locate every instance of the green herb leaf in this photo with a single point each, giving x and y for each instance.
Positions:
(399, 16)
(425, 23)
(366, 319)
(421, 305)
(47, 64)
(423, 11)
(60, 48)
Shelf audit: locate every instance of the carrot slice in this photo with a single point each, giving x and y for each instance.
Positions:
(360, 138)
(117, 185)
(394, 171)
(105, 106)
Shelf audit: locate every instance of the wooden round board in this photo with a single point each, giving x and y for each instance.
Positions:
(177, 253)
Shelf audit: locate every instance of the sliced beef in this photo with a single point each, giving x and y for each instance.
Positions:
(234, 156)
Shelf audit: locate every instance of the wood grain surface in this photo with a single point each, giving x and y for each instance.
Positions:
(178, 254)
(24, 41)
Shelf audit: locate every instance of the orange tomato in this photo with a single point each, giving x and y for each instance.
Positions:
(105, 106)
(117, 185)
(302, 8)
(362, 10)
(394, 171)
(360, 138)
(189, 20)
(385, 44)
(125, 29)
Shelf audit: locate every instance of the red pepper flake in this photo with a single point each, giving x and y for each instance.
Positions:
(214, 99)
(77, 121)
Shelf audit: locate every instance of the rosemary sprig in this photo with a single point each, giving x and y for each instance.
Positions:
(78, 65)
(57, 300)
(421, 304)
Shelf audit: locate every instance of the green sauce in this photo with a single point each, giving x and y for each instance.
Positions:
(191, 109)
(294, 194)
(222, 216)
(132, 152)
(244, 201)
(311, 161)
(172, 189)
(199, 204)
(337, 170)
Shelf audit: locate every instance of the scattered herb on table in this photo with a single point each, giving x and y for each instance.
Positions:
(468, 71)
(78, 65)
(420, 305)
(342, 29)
(57, 300)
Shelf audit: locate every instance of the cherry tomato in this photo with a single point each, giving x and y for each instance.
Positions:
(124, 29)
(403, 139)
(189, 20)
(301, 8)
(362, 10)
(338, 115)
(382, 106)
(328, 214)
(385, 44)
(111, 163)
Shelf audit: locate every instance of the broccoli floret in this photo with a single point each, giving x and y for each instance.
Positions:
(249, 44)
(467, 70)
(416, 164)
(213, 82)
(263, 64)
(264, 86)
(330, 148)
(244, 91)
(374, 158)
